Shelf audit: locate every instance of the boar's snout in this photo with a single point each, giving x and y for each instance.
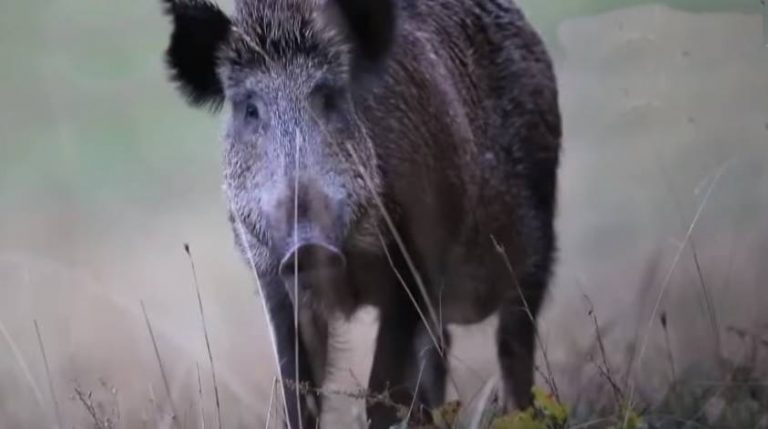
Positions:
(309, 225)
(312, 263)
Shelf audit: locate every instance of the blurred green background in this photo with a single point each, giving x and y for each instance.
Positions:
(85, 109)
(87, 118)
(104, 173)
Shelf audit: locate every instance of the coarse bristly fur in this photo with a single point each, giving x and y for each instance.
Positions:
(397, 153)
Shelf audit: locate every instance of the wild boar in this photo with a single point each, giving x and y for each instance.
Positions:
(395, 153)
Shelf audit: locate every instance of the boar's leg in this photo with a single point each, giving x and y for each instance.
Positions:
(430, 370)
(313, 327)
(281, 314)
(405, 357)
(516, 341)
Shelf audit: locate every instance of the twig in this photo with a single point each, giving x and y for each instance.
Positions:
(22, 364)
(670, 356)
(86, 401)
(388, 218)
(550, 379)
(708, 301)
(362, 394)
(605, 370)
(415, 394)
(398, 240)
(668, 279)
(166, 385)
(205, 334)
(200, 396)
(408, 291)
(296, 338)
(271, 401)
(648, 280)
(252, 265)
(488, 393)
(56, 409)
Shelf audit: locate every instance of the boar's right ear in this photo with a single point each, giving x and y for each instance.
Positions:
(199, 29)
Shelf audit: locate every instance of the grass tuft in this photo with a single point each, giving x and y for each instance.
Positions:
(205, 335)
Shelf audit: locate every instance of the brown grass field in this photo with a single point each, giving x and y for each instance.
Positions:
(656, 316)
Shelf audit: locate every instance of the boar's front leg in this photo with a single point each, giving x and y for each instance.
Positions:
(516, 340)
(298, 395)
(406, 362)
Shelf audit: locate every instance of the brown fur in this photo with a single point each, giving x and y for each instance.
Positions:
(413, 147)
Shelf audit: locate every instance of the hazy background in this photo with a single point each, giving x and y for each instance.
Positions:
(105, 173)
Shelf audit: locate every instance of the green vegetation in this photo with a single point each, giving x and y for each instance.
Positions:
(733, 396)
(548, 14)
(85, 107)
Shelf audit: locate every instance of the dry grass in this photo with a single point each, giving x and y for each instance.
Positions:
(51, 390)
(166, 385)
(656, 82)
(726, 388)
(724, 393)
(205, 335)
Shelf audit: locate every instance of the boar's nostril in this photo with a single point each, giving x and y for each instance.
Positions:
(311, 261)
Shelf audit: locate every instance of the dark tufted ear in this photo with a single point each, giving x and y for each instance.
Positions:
(370, 24)
(199, 29)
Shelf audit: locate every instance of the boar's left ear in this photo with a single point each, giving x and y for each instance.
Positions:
(370, 25)
(199, 29)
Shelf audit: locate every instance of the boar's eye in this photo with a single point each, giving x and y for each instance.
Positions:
(252, 111)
